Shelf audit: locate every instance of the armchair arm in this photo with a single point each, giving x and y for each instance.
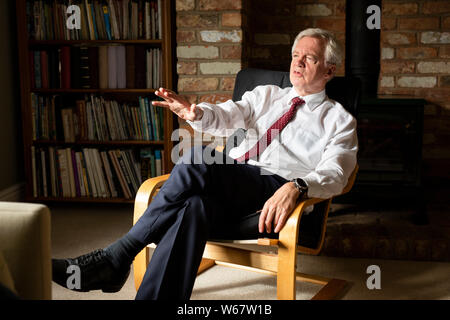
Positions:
(145, 193)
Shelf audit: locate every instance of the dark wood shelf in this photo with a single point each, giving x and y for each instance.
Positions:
(91, 42)
(80, 199)
(127, 91)
(99, 143)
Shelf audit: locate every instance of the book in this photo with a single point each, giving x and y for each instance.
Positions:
(108, 174)
(53, 176)
(106, 17)
(65, 67)
(44, 172)
(90, 173)
(158, 163)
(99, 173)
(64, 173)
(37, 69)
(140, 73)
(75, 173)
(125, 172)
(112, 67)
(75, 68)
(130, 67)
(44, 69)
(81, 178)
(125, 189)
(33, 170)
(93, 62)
(103, 67)
(121, 63)
(71, 175)
(67, 119)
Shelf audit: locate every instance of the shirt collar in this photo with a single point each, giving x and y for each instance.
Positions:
(312, 101)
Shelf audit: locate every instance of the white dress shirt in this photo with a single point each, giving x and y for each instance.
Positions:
(318, 145)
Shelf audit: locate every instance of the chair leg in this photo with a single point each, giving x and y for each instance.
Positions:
(205, 264)
(331, 290)
(140, 264)
(286, 273)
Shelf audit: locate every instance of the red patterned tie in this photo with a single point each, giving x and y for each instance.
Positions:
(272, 132)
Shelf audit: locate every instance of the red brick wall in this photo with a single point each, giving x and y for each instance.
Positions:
(209, 45)
(216, 38)
(415, 52)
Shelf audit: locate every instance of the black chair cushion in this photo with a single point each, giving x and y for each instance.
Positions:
(345, 90)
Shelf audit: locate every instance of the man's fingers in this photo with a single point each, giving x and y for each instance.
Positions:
(269, 219)
(262, 219)
(166, 94)
(160, 103)
(280, 223)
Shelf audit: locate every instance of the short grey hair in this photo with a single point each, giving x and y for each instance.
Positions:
(333, 52)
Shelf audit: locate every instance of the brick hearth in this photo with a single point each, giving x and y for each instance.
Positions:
(384, 234)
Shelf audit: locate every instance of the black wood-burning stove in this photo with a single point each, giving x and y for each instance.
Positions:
(390, 129)
(390, 134)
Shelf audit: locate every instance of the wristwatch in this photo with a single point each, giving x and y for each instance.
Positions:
(301, 185)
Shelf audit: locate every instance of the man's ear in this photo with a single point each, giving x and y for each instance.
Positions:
(331, 69)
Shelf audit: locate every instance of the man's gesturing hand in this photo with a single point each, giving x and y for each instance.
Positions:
(178, 105)
(277, 208)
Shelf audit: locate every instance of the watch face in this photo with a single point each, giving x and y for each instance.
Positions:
(301, 184)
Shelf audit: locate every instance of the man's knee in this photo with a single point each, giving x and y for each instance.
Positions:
(195, 212)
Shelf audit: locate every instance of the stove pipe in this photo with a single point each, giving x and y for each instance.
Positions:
(362, 45)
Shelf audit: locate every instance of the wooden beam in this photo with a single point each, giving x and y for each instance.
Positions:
(265, 261)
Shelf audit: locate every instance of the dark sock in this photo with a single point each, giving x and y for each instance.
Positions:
(123, 251)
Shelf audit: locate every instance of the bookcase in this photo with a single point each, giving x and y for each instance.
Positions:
(88, 73)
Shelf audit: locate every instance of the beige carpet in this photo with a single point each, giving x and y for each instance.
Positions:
(78, 229)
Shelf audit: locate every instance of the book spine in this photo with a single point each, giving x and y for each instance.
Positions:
(80, 178)
(119, 173)
(107, 18)
(108, 174)
(73, 192)
(90, 173)
(65, 67)
(112, 67)
(33, 171)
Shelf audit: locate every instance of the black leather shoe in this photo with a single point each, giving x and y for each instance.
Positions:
(96, 273)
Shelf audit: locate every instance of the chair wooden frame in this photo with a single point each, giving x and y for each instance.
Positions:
(283, 264)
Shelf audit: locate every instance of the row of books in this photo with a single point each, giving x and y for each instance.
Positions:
(90, 172)
(104, 67)
(96, 119)
(94, 20)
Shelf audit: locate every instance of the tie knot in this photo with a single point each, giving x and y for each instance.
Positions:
(297, 101)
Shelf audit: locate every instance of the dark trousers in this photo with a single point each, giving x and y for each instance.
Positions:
(198, 202)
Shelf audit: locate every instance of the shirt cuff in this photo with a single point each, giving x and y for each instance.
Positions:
(202, 124)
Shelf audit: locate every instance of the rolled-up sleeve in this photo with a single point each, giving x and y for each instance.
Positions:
(337, 162)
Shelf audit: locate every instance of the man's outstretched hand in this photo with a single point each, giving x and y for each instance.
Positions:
(178, 105)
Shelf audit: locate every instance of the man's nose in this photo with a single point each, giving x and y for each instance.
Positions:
(300, 62)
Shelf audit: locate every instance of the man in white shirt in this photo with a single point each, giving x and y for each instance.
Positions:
(312, 150)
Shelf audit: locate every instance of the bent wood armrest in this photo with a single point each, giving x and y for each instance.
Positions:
(144, 195)
(290, 229)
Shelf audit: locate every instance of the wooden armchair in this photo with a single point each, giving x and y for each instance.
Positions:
(301, 233)
(282, 264)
